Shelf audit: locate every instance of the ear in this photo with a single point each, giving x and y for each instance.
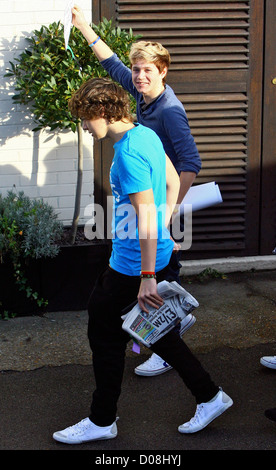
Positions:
(101, 112)
(164, 72)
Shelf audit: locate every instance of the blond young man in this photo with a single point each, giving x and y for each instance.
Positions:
(141, 176)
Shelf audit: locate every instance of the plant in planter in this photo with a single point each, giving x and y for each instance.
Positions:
(46, 75)
(29, 229)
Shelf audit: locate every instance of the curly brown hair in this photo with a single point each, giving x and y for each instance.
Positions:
(101, 97)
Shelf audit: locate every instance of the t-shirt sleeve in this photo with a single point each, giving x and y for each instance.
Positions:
(135, 173)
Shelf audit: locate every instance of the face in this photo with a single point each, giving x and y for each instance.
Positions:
(96, 127)
(147, 79)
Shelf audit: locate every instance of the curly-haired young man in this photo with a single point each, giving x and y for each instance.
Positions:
(158, 108)
(142, 177)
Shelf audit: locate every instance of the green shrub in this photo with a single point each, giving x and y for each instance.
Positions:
(29, 229)
(46, 75)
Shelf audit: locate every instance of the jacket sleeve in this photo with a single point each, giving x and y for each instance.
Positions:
(176, 126)
(120, 73)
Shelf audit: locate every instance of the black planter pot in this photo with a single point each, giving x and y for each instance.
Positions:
(65, 281)
(12, 299)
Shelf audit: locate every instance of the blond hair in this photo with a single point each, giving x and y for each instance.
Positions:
(152, 52)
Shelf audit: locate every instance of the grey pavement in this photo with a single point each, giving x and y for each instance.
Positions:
(47, 380)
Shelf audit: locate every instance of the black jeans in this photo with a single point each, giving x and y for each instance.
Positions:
(112, 293)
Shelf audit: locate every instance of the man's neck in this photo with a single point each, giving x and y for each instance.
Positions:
(153, 96)
(118, 129)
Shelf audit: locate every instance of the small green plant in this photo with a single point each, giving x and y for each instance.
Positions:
(206, 275)
(46, 75)
(5, 314)
(210, 273)
(29, 229)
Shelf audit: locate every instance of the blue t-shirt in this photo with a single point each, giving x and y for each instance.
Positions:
(165, 115)
(139, 164)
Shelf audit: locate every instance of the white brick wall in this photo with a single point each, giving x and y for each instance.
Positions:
(42, 164)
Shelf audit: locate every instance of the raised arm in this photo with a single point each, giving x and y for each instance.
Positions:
(100, 49)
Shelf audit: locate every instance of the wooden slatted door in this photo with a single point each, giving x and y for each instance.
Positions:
(216, 71)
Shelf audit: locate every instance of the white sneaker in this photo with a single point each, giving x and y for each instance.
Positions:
(207, 412)
(85, 431)
(155, 365)
(268, 361)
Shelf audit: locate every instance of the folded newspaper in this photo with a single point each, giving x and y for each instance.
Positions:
(147, 328)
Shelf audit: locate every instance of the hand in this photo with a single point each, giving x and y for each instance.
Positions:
(78, 18)
(176, 247)
(148, 294)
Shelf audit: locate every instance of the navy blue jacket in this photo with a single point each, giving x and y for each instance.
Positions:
(165, 115)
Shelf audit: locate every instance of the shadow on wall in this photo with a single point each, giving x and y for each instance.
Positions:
(14, 117)
(15, 120)
(25, 163)
(51, 174)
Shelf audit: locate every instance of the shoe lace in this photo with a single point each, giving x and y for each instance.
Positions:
(197, 414)
(79, 427)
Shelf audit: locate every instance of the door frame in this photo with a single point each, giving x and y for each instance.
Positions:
(268, 169)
